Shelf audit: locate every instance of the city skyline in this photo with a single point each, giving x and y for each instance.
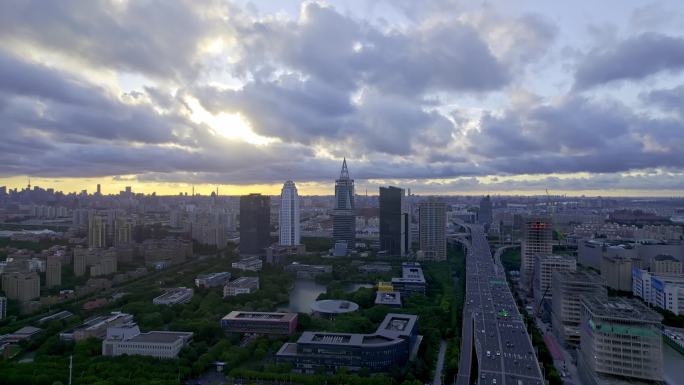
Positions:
(248, 95)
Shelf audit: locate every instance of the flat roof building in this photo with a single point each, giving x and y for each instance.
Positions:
(391, 345)
(391, 299)
(411, 281)
(212, 279)
(174, 296)
(259, 322)
(253, 263)
(127, 339)
(95, 326)
(242, 285)
(620, 340)
(329, 308)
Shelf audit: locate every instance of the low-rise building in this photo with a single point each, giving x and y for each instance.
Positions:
(253, 263)
(307, 271)
(242, 285)
(259, 322)
(174, 296)
(391, 298)
(411, 281)
(277, 254)
(212, 279)
(375, 268)
(391, 345)
(95, 327)
(127, 339)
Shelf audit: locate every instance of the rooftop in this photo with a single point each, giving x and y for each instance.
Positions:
(334, 306)
(388, 298)
(175, 293)
(161, 337)
(243, 282)
(618, 308)
(259, 316)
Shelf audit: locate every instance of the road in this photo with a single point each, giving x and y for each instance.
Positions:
(440, 364)
(492, 324)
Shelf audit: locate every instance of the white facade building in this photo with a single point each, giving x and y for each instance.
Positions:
(127, 339)
(289, 215)
(242, 285)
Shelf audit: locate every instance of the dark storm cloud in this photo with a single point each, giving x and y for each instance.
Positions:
(346, 53)
(577, 135)
(59, 105)
(667, 99)
(157, 38)
(632, 59)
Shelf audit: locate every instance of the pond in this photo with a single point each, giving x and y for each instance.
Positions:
(305, 291)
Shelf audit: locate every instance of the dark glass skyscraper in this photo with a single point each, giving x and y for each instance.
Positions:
(394, 226)
(484, 217)
(344, 219)
(255, 223)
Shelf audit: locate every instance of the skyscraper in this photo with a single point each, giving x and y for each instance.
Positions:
(123, 231)
(394, 226)
(255, 223)
(484, 217)
(97, 234)
(3, 308)
(53, 272)
(289, 215)
(344, 220)
(537, 240)
(432, 229)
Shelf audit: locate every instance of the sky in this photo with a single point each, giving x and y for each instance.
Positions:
(443, 97)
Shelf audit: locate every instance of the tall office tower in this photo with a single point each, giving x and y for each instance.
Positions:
(544, 267)
(537, 240)
(620, 341)
(80, 258)
(21, 286)
(97, 232)
(344, 219)
(99, 190)
(568, 288)
(432, 229)
(123, 231)
(255, 223)
(289, 215)
(484, 216)
(53, 272)
(3, 308)
(394, 225)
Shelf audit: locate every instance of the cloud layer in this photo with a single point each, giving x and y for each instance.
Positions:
(428, 95)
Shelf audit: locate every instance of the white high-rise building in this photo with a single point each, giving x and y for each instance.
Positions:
(289, 215)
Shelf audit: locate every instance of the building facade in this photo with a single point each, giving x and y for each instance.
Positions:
(411, 281)
(127, 339)
(174, 296)
(53, 272)
(394, 222)
(97, 231)
(617, 271)
(242, 285)
(289, 226)
(620, 338)
(484, 216)
(259, 322)
(255, 224)
(537, 240)
(344, 219)
(22, 287)
(3, 308)
(568, 288)
(391, 345)
(212, 279)
(544, 267)
(432, 230)
(248, 264)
